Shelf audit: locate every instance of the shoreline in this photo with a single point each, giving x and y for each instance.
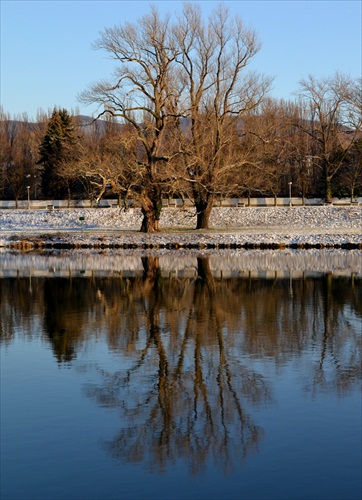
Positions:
(164, 242)
(230, 228)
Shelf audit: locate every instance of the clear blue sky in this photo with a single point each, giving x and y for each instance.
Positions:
(47, 58)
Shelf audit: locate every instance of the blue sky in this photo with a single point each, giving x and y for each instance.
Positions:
(47, 56)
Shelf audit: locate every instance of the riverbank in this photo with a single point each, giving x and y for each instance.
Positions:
(249, 227)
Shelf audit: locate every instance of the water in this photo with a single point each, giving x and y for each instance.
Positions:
(180, 378)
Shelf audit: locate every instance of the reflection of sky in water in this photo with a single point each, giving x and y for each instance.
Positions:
(190, 398)
(308, 440)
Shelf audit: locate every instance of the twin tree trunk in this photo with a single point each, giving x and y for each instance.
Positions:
(151, 207)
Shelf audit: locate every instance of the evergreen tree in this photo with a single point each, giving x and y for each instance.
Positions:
(56, 148)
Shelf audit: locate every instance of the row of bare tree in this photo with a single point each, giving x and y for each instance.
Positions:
(183, 116)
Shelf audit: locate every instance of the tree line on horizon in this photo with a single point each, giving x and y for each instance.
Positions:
(182, 116)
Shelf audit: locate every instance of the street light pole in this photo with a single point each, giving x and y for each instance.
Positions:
(28, 188)
(290, 193)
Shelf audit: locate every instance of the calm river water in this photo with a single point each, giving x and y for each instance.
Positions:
(144, 377)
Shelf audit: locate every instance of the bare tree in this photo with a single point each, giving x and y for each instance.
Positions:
(332, 119)
(6, 138)
(217, 93)
(281, 152)
(141, 93)
(349, 178)
(268, 137)
(106, 161)
(18, 156)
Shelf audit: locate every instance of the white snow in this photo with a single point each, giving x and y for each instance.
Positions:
(107, 227)
(102, 231)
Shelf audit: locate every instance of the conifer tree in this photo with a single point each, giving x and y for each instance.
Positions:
(58, 145)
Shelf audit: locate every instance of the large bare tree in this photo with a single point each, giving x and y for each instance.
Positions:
(218, 92)
(141, 93)
(192, 69)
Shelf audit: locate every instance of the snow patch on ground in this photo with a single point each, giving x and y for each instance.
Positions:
(312, 225)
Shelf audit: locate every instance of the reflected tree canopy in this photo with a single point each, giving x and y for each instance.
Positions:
(185, 386)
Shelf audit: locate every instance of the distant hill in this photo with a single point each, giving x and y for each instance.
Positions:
(82, 120)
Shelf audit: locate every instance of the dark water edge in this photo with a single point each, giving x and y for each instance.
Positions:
(34, 243)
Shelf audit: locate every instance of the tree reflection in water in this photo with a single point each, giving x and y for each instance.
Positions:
(182, 398)
(185, 388)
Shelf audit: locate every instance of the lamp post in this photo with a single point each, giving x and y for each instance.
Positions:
(290, 193)
(28, 188)
(28, 177)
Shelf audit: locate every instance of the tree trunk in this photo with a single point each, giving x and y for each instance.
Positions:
(151, 211)
(151, 267)
(303, 193)
(204, 272)
(327, 185)
(149, 221)
(203, 208)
